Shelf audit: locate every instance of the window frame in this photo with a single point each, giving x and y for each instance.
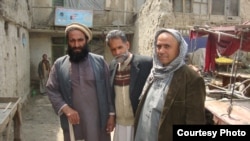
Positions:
(201, 3)
(183, 5)
(227, 8)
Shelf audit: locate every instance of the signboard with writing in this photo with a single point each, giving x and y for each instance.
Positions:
(64, 16)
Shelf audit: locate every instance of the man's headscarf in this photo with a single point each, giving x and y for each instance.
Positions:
(164, 74)
(158, 69)
(80, 27)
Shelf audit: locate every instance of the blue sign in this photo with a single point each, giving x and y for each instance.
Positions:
(64, 16)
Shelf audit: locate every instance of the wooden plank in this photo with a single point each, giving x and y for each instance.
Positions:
(9, 113)
(5, 118)
(17, 124)
(8, 130)
(8, 99)
(239, 114)
(240, 75)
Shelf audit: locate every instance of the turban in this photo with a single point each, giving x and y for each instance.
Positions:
(80, 27)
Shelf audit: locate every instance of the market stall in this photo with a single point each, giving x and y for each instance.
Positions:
(223, 40)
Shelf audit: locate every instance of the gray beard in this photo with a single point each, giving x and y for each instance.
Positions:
(121, 58)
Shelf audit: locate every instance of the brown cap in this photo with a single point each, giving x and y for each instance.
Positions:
(80, 27)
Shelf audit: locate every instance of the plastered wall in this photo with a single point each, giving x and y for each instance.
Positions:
(14, 49)
(15, 58)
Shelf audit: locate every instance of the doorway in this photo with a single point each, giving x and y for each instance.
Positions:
(58, 47)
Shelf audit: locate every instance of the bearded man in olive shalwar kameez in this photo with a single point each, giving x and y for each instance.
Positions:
(79, 89)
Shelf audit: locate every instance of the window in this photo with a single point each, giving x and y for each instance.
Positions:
(184, 6)
(58, 2)
(218, 7)
(200, 7)
(233, 8)
(59, 47)
(84, 4)
(225, 7)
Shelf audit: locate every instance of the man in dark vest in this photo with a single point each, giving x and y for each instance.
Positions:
(79, 89)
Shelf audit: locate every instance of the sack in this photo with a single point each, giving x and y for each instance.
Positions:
(71, 133)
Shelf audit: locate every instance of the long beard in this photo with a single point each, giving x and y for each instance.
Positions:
(78, 56)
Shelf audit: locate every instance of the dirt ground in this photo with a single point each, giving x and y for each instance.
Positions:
(39, 121)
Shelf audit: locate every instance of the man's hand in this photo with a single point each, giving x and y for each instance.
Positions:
(110, 124)
(71, 114)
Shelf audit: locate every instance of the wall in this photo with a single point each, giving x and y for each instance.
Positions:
(120, 13)
(148, 20)
(14, 49)
(41, 13)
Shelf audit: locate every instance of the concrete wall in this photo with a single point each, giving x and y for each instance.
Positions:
(41, 13)
(157, 14)
(120, 12)
(14, 49)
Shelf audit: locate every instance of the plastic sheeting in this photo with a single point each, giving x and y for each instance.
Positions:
(85, 4)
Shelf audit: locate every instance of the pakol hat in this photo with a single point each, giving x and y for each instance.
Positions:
(80, 27)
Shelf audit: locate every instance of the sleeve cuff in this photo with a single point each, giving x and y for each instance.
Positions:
(60, 110)
(112, 114)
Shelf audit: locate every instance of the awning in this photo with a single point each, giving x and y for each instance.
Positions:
(225, 40)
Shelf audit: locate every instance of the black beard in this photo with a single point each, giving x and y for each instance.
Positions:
(76, 57)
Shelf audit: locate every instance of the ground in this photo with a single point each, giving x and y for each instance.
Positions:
(39, 121)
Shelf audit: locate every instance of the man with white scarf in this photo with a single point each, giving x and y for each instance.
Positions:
(173, 94)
